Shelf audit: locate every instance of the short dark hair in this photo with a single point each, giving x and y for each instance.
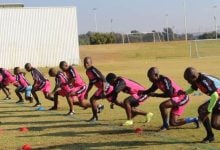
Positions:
(16, 68)
(26, 65)
(62, 63)
(110, 77)
(50, 71)
(153, 70)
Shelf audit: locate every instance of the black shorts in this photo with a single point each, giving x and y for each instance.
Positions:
(133, 101)
(216, 109)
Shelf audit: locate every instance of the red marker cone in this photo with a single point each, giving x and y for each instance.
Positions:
(1, 131)
(139, 130)
(26, 147)
(24, 129)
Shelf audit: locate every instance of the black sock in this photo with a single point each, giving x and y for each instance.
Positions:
(208, 127)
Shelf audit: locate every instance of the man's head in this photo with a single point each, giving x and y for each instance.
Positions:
(52, 72)
(87, 62)
(191, 75)
(28, 67)
(64, 66)
(153, 74)
(110, 78)
(17, 70)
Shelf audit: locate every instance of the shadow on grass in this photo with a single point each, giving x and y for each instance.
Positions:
(86, 133)
(37, 122)
(111, 145)
(29, 116)
(41, 128)
(16, 111)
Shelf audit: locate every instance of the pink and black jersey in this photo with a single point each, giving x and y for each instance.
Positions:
(5, 73)
(95, 77)
(205, 84)
(127, 86)
(1, 78)
(38, 77)
(21, 80)
(61, 80)
(72, 73)
(7, 77)
(130, 86)
(167, 86)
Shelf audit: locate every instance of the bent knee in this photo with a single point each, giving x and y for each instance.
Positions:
(127, 101)
(215, 125)
(173, 122)
(161, 106)
(92, 100)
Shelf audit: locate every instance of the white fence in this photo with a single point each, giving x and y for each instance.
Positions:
(41, 36)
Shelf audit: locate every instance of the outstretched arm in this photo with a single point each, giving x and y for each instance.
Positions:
(152, 89)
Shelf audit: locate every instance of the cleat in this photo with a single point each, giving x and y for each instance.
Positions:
(71, 113)
(37, 105)
(7, 98)
(20, 102)
(149, 117)
(53, 108)
(208, 139)
(100, 108)
(163, 129)
(128, 123)
(93, 120)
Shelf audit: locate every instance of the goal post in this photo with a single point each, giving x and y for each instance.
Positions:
(204, 48)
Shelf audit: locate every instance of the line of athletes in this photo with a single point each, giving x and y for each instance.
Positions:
(69, 84)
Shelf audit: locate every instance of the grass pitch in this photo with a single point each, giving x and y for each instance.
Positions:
(53, 130)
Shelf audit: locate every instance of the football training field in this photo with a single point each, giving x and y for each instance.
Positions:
(54, 130)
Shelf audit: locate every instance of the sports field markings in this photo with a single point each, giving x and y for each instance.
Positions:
(163, 138)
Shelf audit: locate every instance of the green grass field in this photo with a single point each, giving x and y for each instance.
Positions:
(53, 130)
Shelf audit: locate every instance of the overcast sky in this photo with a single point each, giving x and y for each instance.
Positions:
(142, 15)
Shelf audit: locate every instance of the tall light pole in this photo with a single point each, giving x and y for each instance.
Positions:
(216, 25)
(167, 26)
(185, 20)
(95, 19)
(111, 21)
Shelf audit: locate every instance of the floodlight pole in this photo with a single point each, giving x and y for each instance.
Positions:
(111, 21)
(185, 20)
(168, 39)
(216, 25)
(95, 19)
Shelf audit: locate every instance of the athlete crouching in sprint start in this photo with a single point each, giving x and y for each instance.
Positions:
(131, 103)
(97, 79)
(209, 86)
(40, 84)
(177, 102)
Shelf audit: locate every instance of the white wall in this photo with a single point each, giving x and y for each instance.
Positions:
(41, 36)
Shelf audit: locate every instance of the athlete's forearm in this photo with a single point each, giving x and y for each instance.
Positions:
(71, 81)
(55, 89)
(89, 87)
(34, 83)
(213, 101)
